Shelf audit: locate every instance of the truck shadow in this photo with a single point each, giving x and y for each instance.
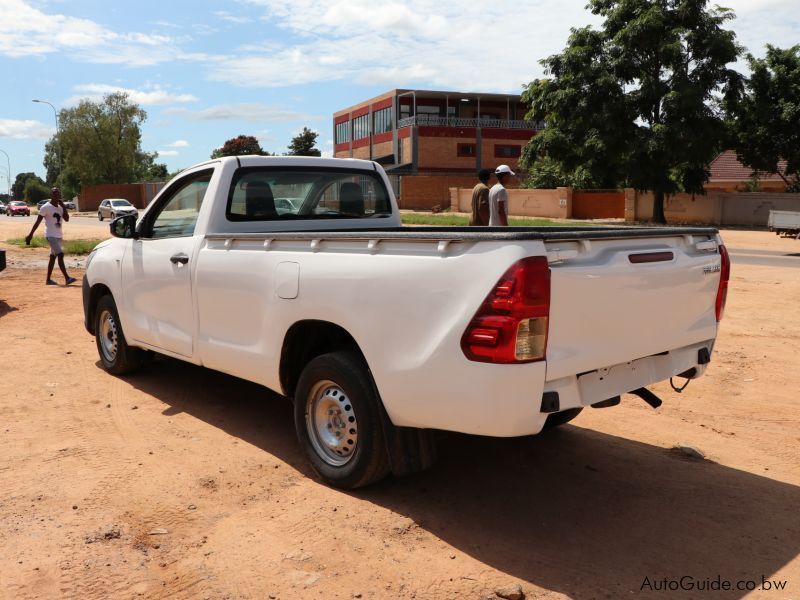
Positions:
(575, 511)
(6, 308)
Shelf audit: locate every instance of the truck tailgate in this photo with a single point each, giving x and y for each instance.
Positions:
(617, 300)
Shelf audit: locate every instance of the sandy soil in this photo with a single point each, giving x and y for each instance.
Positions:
(181, 482)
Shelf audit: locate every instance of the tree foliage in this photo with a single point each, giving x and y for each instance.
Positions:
(242, 145)
(98, 142)
(303, 144)
(18, 187)
(765, 115)
(634, 103)
(35, 190)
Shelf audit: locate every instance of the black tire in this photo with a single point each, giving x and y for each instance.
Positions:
(124, 358)
(561, 418)
(100, 215)
(342, 381)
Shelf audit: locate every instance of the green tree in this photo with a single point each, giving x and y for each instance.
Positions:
(100, 142)
(765, 115)
(242, 145)
(635, 103)
(35, 190)
(303, 144)
(18, 187)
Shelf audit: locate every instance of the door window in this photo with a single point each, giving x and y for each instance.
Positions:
(177, 216)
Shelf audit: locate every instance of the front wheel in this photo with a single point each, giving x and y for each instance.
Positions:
(100, 216)
(338, 423)
(115, 353)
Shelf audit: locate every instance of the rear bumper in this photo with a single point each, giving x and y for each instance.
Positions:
(595, 386)
(512, 400)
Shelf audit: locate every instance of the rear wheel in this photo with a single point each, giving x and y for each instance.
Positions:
(563, 417)
(115, 353)
(338, 423)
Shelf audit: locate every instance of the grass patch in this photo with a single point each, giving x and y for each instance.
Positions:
(70, 246)
(461, 220)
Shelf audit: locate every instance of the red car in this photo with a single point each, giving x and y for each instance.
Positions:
(17, 207)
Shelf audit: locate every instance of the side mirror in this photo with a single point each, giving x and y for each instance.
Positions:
(124, 227)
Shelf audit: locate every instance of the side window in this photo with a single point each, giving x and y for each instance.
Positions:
(178, 215)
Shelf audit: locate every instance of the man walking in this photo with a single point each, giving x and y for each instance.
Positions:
(53, 212)
(480, 199)
(498, 197)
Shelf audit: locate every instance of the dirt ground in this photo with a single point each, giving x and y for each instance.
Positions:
(180, 482)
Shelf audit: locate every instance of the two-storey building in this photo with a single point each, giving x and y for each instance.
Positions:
(435, 140)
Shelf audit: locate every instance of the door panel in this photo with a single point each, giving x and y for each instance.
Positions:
(157, 293)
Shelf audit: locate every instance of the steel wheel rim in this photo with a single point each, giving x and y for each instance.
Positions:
(331, 423)
(109, 336)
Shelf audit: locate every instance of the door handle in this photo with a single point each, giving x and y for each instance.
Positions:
(179, 258)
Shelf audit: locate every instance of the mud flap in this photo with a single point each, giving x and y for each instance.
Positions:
(410, 449)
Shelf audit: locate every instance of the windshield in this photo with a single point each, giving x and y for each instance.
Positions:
(269, 193)
(18, 203)
(120, 203)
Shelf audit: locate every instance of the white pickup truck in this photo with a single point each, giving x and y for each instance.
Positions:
(296, 273)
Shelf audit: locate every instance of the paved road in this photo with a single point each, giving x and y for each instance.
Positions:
(92, 220)
(765, 258)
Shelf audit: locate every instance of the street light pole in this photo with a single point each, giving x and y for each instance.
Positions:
(9, 172)
(58, 132)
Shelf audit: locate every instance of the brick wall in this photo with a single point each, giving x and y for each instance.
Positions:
(715, 208)
(598, 204)
(138, 194)
(423, 192)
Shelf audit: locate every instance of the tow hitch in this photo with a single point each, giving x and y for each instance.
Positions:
(648, 397)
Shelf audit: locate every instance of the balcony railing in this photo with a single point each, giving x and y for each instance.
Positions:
(437, 121)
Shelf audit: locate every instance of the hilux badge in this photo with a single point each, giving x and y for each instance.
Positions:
(712, 269)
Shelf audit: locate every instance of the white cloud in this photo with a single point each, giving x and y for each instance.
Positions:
(28, 31)
(167, 152)
(224, 15)
(146, 97)
(25, 129)
(444, 44)
(249, 111)
(179, 144)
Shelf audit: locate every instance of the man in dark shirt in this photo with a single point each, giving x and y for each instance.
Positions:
(480, 199)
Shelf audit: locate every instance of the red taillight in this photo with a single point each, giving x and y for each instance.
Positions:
(724, 276)
(511, 324)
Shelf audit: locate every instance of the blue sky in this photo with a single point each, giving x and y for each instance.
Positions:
(207, 71)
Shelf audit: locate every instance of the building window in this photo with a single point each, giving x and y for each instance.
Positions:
(507, 151)
(343, 132)
(361, 127)
(382, 120)
(466, 149)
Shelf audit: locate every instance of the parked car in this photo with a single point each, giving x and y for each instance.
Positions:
(18, 207)
(70, 204)
(112, 208)
(41, 203)
(3, 206)
(383, 334)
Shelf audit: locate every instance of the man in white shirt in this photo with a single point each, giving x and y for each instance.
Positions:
(54, 213)
(498, 197)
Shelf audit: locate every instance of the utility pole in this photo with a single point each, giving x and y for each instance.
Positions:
(58, 133)
(8, 160)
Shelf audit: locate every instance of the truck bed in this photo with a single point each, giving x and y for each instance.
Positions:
(547, 234)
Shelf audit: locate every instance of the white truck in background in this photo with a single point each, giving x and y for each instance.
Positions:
(784, 223)
(297, 274)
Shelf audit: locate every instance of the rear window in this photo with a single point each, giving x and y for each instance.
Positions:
(277, 193)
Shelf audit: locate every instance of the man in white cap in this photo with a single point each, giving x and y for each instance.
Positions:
(498, 197)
